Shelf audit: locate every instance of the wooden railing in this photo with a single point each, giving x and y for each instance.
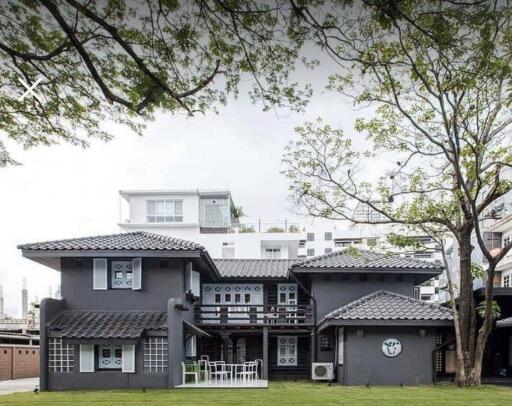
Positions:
(272, 315)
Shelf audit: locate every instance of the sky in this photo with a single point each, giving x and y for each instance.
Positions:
(65, 191)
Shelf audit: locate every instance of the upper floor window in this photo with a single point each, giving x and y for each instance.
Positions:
(272, 253)
(311, 252)
(328, 236)
(164, 211)
(507, 280)
(310, 236)
(122, 274)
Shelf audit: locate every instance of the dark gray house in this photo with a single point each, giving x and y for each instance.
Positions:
(136, 305)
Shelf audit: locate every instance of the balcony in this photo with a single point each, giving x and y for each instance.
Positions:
(243, 228)
(254, 315)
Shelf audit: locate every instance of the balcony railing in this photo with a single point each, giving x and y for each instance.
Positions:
(259, 227)
(268, 315)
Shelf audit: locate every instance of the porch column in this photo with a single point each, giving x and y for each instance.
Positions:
(175, 339)
(226, 344)
(264, 372)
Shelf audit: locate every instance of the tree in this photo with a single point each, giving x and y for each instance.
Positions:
(438, 76)
(125, 60)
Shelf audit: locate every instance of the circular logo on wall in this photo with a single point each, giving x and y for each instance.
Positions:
(391, 347)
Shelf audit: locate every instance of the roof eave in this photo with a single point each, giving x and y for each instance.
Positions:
(325, 323)
(325, 269)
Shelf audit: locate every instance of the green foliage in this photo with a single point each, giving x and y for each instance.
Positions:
(124, 61)
(495, 309)
(238, 212)
(477, 271)
(244, 228)
(275, 229)
(293, 229)
(353, 251)
(403, 241)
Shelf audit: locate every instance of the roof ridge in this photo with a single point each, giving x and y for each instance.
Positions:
(166, 238)
(21, 246)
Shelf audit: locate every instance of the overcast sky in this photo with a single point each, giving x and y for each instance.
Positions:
(65, 191)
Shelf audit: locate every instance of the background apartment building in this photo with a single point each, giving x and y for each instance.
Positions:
(211, 218)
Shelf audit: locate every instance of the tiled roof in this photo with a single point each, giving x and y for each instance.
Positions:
(504, 322)
(106, 324)
(135, 241)
(384, 305)
(363, 259)
(253, 268)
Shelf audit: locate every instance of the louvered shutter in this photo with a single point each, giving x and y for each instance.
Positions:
(86, 358)
(99, 274)
(128, 361)
(137, 273)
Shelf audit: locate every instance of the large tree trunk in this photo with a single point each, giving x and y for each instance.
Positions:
(471, 347)
(465, 372)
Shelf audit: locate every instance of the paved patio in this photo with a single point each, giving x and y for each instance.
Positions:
(18, 385)
(227, 384)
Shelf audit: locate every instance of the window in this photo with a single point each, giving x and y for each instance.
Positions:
(311, 252)
(286, 351)
(273, 253)
(110, 356)
(164, 211)
(61, 357)
(302, 243)
(372, 242)
(328, 251)
(287, 293)
(325, 343)
(310, 236)
(426, 298)
(193, 281)
(122, 274)
(328, 236)
(507, 280)
(507, 240)
(155, 354)
(341, 342)
(191, 347)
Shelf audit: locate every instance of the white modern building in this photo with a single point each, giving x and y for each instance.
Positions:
(211, 218)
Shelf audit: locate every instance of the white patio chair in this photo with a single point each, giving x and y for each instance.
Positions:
(217, 370)
(248, 371)
(259, 367)
(186, 372)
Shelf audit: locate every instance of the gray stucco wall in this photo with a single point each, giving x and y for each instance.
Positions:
(365, 363)
(333, 291)
(158, 285)
(107, 379)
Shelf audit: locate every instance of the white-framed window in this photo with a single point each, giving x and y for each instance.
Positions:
(341, 346)
(61, 357)
(328, 236)
(110, 356)
(328, 251)
(310, 236)
(310, 252)
(287, 293)
(164, 211)
(507, 280)
(286, 351)
(122, 274)
(191, 347)
(155, 354)
(273, 253)
(193, 281)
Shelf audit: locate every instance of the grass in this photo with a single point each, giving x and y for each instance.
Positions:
(279, 393)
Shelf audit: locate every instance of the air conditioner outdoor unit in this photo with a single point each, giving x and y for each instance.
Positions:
(322, 371)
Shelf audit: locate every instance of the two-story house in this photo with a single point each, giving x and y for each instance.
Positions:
(136, 305)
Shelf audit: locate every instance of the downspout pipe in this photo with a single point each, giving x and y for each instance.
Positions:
(308, 294)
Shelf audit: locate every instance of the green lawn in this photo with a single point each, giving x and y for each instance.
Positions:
(279, 393)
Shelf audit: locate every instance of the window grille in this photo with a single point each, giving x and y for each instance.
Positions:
(155, 354)
(61, 357)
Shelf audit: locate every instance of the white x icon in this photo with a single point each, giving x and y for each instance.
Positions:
(30, 89)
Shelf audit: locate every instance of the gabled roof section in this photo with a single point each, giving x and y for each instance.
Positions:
(504, 322)
(254, 268)
(357, 259)
(85, 324)
(389, 306)
(135, 241)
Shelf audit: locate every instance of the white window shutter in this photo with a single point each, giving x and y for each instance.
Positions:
(128, 361)
(188, 277)
(99, 274)
(191, 347)
(196, 284)
(137, 273)
(86, 358)
(340, 346)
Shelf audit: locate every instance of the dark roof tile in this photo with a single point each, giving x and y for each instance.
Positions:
(254, 268)
(106, 324)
